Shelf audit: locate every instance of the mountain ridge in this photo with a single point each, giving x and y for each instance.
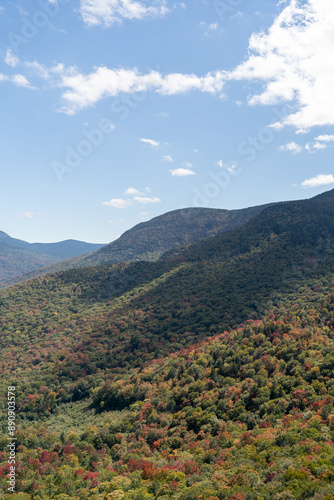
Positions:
(205, 374)
(150, 240)
(18, 257)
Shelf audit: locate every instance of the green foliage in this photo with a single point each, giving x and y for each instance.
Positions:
(205, 375)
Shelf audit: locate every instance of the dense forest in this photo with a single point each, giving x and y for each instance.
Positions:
(18, 257)
(208, 374)
(148, 241)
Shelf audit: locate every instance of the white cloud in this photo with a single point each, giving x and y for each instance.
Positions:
(151, 142)
(118, 203)
(84, 90)
(29, 215)
(145, 200)
(319, 180)
(21, 81)
(38, 69)
(121, 203)
(291, 61)
(294, 61)
(109, 12)
(18, 80)
(319, 145)
(167, 158)
(131, 191)
(187, 164)
(229, 167)
(325, 138)
(293, 147)
(11, 59)
(182, 172)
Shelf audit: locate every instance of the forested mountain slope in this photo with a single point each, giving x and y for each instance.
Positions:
(62, 249)
(149, 240)
(148, 309)
(207, 374)
(17, 261)
(18, 257)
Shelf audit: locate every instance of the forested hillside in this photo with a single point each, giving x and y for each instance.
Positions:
(150, 240)
(18, 257)
(62, 249)
(207, 374)
(17, 261)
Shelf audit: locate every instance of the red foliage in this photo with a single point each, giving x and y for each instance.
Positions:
(237, 496)
(148, 471)
(90, 476)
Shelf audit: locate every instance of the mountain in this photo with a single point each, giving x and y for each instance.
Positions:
(63, 249)
(150, 240)
(18, 257)
(17, 261)
(205, 374)
(145, 310)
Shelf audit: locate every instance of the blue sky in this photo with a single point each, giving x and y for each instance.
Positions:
(116, 111)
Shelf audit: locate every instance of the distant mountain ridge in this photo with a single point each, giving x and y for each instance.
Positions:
(18, 257)
(63, 249)
(148, 241)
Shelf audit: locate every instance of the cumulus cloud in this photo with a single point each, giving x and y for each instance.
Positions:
(146, 200)
(118, 203)
(21, 81)
(18, 80)
(294, 62)
(84, 90)
(11, 59)
(293, 147)
(182, 172)
(229, 167)
(168, 158)
(121, 203)
(291, 61)
(132, 191)
(319, 180)
(29, 215)
(319, 145)
(151, 142)
(325, 138)
(109, 12)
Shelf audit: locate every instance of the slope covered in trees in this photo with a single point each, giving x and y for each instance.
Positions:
(18, 257)
(246, 414)
(150, 240)
(207, 374)
(17, 261)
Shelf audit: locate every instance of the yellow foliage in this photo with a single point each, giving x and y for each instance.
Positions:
(116, 495)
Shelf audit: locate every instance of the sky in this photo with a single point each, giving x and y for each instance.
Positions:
(116, 111)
